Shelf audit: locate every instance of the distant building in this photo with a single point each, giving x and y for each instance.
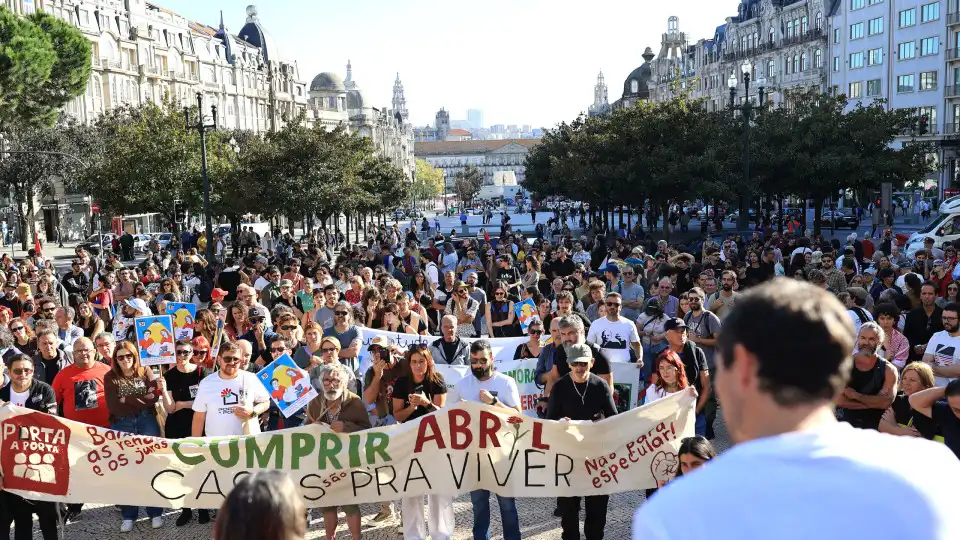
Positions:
(475, 118)
(459, 135)
(491, 157)
(601, 105)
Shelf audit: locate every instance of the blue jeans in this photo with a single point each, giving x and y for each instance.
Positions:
(141, 423)
(481, 516)
(700, 426)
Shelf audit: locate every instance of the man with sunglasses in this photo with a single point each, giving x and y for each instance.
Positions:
(228, 398)
(260, 335)
(581, 395)
(348, 334)
(616, 335)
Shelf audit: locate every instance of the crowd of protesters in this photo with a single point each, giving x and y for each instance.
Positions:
(603, 297)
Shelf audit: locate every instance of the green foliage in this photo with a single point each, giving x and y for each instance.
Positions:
(427, 182)
(44, 63)
(467, 184)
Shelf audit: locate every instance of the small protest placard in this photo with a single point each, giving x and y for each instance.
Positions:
(288, 385)
(155, 340)
(184, 315)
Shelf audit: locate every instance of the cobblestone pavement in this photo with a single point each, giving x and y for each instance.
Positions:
(536, 519)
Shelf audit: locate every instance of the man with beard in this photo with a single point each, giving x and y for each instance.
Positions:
(130, 309)
(783, 358)
(723, 302)
(595, 399)
(873, 382)
(571, 333)
(490, 387)
(343, 412)
(943, 351)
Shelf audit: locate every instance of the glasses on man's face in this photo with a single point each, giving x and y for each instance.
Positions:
(613, 304)
(327, 381)
(578, 365)
(945, 318)
(256, 320)
(276, 350)
(184, 352)
(21, 371)
(230, 359)
(288, 327)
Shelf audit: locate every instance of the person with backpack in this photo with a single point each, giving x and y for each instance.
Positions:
(855, 299)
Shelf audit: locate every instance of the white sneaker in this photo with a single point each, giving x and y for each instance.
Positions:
(126, 526)
(156, 522)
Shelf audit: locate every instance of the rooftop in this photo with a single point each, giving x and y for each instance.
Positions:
(468, 147)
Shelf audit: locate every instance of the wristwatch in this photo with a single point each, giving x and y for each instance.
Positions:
(495, 400)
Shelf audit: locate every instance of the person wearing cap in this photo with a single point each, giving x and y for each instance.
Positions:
(129, 310)
(855, 299)
(289, 298)
(75, 281)
(348, 334)
(581, 396)
(929, 244)
(695, 366)
(261, 334)
(378, 384)
(247, 298)
(218, 295)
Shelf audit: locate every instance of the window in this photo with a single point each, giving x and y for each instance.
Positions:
(771, 68)
(905, 83)
(856, 30)
(930, 113)
(876, 26)
(908, 17)
(930, 12)
(875, 2)
(804, 25)
(857, 4)
(856, 60)
(906, 50)
(873, 88)
(836, 63)
(804, 62)
(875, 56)
(928, 80)
(796, 63)
(856, 90)
(836, 35)
(772, 35)
(818, 21)
(929, 46)
(818, 58)
(789, 28)
(634, 86)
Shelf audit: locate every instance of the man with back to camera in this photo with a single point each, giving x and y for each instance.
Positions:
(782, 359)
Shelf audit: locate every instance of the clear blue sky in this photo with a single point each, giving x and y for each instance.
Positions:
(520, 61)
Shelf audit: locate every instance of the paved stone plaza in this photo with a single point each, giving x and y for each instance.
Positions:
(536, 519)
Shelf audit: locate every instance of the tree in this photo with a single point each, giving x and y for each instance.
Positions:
(467, 184)
(44, 63)
(427, 181)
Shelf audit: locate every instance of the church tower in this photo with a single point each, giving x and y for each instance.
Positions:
(600, 102)
(443, 125)
(399, 102)
(672, 59)
(348, 83)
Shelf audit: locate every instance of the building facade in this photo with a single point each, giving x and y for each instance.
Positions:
(782, 42)
(494, 159)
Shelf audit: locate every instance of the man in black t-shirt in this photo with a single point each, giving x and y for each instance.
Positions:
(572, 333)
(581, 395)
(694, 365)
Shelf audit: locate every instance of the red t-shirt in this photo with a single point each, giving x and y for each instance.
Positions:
(80, 393)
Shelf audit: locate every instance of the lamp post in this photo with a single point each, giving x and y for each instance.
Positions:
(202, 128)
(743, 221)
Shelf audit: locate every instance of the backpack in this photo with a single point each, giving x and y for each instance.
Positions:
(861, 314)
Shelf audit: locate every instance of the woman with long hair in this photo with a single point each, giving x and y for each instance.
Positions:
(131, 392)
(264, 505)
(531, 276)
(671, 377)
(952, 294)
(532, 347)
(88, 320)
(102, 298)
(202, 354)
(372, 304)
(391, 321)
(900, 418)
(419, 393)
(23, 337)
(237, 322)
(693, 453)
(683, 306)
(205, 324)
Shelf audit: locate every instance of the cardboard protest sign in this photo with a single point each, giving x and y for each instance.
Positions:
(217, 340)
(306, 300)
(526, 312)
(288, 385)
(184, 316)
(155, 340)
(455, 450)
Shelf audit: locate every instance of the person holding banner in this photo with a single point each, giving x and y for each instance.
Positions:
(421, 392)
(378, 385)
(595, 399)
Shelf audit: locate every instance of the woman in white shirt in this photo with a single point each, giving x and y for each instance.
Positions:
(670, 377)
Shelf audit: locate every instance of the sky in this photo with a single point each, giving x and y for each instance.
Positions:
(520, 61)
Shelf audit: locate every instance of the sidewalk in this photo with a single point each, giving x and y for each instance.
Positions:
(50, 250)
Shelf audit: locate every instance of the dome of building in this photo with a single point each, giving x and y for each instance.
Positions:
(636, 83)
(327, 82)
(254, 34)
(356, 99)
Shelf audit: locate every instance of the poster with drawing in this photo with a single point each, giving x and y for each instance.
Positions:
(184, 315)
(526, 312)
(288, 385)
(155, 340)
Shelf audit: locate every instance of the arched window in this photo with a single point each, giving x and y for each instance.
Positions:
(772, 36)
(804, 25)
(818, 58)
(756, 39)
(818, 22)
(790, 29)
(634, 86)
(804, 62)
(771, 68)
(796, 63)
(786, 64)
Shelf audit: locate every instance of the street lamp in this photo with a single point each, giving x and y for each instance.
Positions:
(743, 221)
(202, 128)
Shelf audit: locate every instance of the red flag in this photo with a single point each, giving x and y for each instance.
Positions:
(36, 243)
(486, 236)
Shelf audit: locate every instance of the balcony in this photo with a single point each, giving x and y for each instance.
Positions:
(212, 84)
(953, 54)
(950, 129)
(114, 65)
(953, 19)
(811, 35)
(150, 71)
(951, 91)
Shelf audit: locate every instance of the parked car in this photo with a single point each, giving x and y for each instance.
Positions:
(94, 239)
(839, 218)
(163, 240)
(140, 241)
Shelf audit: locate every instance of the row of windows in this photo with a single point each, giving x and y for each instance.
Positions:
(874, 57)
(860, 4)
(792, 28)
(907, 17)
(905, 84)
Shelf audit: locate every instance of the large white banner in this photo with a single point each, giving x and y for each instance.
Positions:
(457, 449)
(626, 387)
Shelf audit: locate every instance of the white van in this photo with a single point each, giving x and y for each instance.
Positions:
(945, 228)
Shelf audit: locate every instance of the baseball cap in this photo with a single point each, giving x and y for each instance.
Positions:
(380, 341)
(218, 293)
(286, 283)
(675, 323)
(138, 304)
(261, 259)
(612, 268)
(578, 353)
(257, 312)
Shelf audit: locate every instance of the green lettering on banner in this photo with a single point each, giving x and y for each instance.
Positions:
(185, 459)
(303, 445)
(274, 448)
(377, 443)
(233, 446)
(330, 446)
(522, 375)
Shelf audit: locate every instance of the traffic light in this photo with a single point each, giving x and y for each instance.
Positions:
(922, 127)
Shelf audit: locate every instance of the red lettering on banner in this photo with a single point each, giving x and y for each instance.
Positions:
(460, 436)
(538, 437)
(429, 422)
(489, 426)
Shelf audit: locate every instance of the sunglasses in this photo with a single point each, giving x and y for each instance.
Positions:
(200, 352)
(277, 349)
(21, 371)
(536, 332)
(184, 353)
(578, 364)
(230, 359)
(613, 304)
(328, 350)
(288, 327)
(49, 310)
(123, 357)
(17, 329)
(257, 320)
(499, 293)
(340, 313)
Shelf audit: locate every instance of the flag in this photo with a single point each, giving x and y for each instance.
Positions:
(486, 236)
(36, 243)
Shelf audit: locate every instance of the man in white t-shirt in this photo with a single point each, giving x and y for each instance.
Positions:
(228, 398)
(943, 349)
(616, 335)
(498, 390)
(792, 459)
